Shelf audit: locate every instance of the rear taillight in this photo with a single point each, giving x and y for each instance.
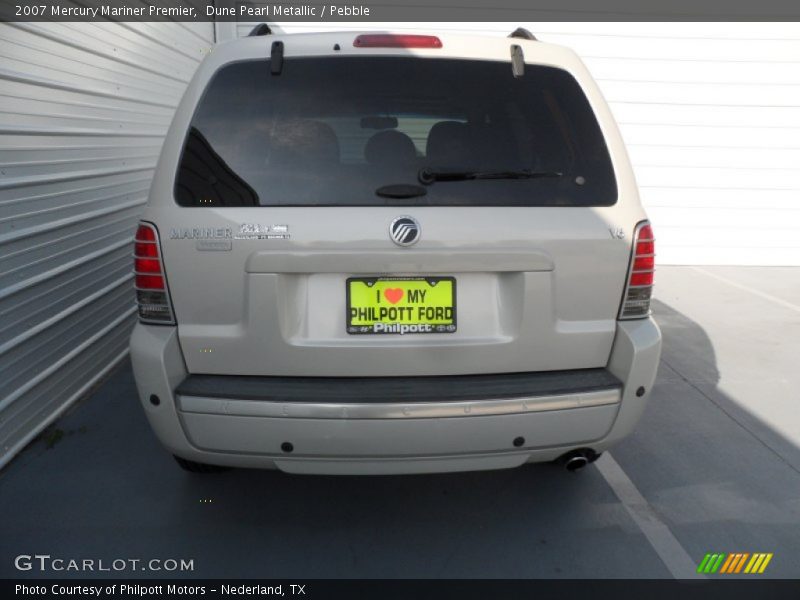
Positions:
(152, 294)
(392, 40)
(639, 286)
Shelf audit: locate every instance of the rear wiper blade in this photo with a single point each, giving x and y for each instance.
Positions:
(401, 190)
(428, 176)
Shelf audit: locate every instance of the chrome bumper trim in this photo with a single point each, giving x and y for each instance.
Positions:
(396, 410)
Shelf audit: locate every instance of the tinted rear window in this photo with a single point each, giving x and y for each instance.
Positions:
(332, 131)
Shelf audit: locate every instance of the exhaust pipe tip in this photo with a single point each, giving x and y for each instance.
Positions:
(575, 462)
(578, 459)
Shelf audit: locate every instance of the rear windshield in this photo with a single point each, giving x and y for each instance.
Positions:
(370, 131)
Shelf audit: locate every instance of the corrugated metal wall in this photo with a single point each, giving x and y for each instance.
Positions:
(711, 116)
(83, 112)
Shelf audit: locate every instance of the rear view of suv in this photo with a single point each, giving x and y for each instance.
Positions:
(393, 253)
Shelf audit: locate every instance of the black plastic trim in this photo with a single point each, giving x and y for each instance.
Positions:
(523, 34)
(276, 58)
(377, 390)
(259, 30)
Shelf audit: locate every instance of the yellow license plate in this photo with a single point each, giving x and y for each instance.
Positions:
(401, 305)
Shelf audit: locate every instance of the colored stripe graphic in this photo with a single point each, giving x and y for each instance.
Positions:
(711, 562)
(734, 562)
(701, 568)
(765, 563)
(731, 563)
(754, 562)
(714, 562)
(718, 563)
(736, 558)
(741, 563)
(727, 564)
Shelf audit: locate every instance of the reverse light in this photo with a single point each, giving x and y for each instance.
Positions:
(152, 295)
(639, 285)
(391, 40)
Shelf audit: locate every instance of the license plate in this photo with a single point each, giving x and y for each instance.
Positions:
(401, 305)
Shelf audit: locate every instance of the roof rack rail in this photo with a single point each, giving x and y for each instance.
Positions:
(260, 29)
(523, 34)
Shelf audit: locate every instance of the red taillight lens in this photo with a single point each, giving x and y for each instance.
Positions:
(146, 250)
(639, 287)
(152, 296)
(150, 282)
(642, 278)
(389, 40)
(145, 234)
(645, 248)
(642, 263)
(147, 265)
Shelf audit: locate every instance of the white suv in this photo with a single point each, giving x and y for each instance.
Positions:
(393, 253)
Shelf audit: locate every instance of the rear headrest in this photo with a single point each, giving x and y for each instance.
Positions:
(249, 152)
(303, 141)
(449, 144)
(390, 148)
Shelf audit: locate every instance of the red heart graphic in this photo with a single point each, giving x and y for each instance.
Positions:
(393, 295)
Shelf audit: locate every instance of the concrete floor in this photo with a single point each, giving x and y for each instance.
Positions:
(716, 461)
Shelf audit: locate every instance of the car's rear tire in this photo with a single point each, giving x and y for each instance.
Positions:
(196, 467)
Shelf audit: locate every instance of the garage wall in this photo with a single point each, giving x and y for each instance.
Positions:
(83, 112)
(711, 116)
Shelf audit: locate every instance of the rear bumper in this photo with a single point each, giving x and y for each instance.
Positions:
(392, 425)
